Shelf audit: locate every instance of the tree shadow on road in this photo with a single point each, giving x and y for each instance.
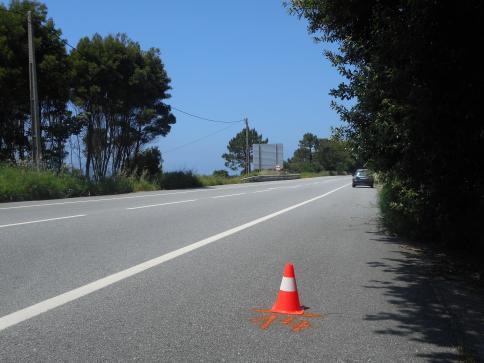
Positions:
(422, 311)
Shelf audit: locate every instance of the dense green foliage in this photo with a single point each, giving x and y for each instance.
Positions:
(316, 155)
(20, 183)
(102, 103)
(118, 90)
(53, 77)
(413, 72)
(236, 156)
(221, 173)
(146, 163)
(23, 183)
(179, 180)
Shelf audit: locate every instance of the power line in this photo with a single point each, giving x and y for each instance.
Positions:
(197, 140)
(232, 123)
(85, 56)
(81, 53)
(205, 118)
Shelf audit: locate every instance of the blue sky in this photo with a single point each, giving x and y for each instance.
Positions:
(227, 60)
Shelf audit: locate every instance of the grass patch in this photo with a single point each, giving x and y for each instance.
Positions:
(208, 180)
(140, 185)
(20, 183)
(23, 183)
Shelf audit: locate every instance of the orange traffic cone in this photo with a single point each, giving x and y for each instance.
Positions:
(288, 299)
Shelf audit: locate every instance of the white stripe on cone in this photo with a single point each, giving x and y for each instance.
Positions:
(288, 284)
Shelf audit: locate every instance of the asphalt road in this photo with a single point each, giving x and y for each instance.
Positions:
(176, 276)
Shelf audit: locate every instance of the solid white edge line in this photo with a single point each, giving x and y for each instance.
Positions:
(161, 204)
(59, 300)
(41, 220)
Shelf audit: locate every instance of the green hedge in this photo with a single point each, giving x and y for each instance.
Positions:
(22, 183)
(179, 180)
(18, 183)
(400, 209)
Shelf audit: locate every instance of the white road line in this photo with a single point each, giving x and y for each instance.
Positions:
(227, 195)
(41, 220)
(59, 300)
(129, 197)
(220, 187)
(161, 204)
(261, 191)
(102, 199)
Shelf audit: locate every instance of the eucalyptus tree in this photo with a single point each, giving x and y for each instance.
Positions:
(119, 91)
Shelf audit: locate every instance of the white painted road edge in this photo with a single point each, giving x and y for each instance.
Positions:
(59, 300)
(41, 220)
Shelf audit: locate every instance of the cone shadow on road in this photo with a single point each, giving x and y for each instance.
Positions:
(421, 313)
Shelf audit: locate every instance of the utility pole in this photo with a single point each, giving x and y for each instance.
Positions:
(247, 150)
(34, 97)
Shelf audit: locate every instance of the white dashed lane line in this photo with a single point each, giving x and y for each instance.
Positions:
(161, 204)
(227, 195)
(41, 221)
(59, 300)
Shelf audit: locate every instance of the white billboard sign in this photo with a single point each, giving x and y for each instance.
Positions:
(267, 156)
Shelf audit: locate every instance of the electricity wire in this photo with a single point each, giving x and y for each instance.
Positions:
(205, 118)
(232, 123)
(197, 140)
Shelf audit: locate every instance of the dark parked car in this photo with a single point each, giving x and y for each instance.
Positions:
(363, 177)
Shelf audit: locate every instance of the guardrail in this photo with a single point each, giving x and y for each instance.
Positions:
(262, 178)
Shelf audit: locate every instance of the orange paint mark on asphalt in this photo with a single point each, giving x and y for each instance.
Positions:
(288, 320)
(305, 315)
(303, 324)
(262, 311)
(311, 315)
(265, 320)
(296, 323)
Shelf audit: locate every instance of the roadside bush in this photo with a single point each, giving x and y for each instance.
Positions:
(306, 174)
(142, 184)
(112, 185)
(404, 210)
(419, 214)
(22, 183)
(220, 173)
(179, 180)
(208, 180)
(146, 164)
